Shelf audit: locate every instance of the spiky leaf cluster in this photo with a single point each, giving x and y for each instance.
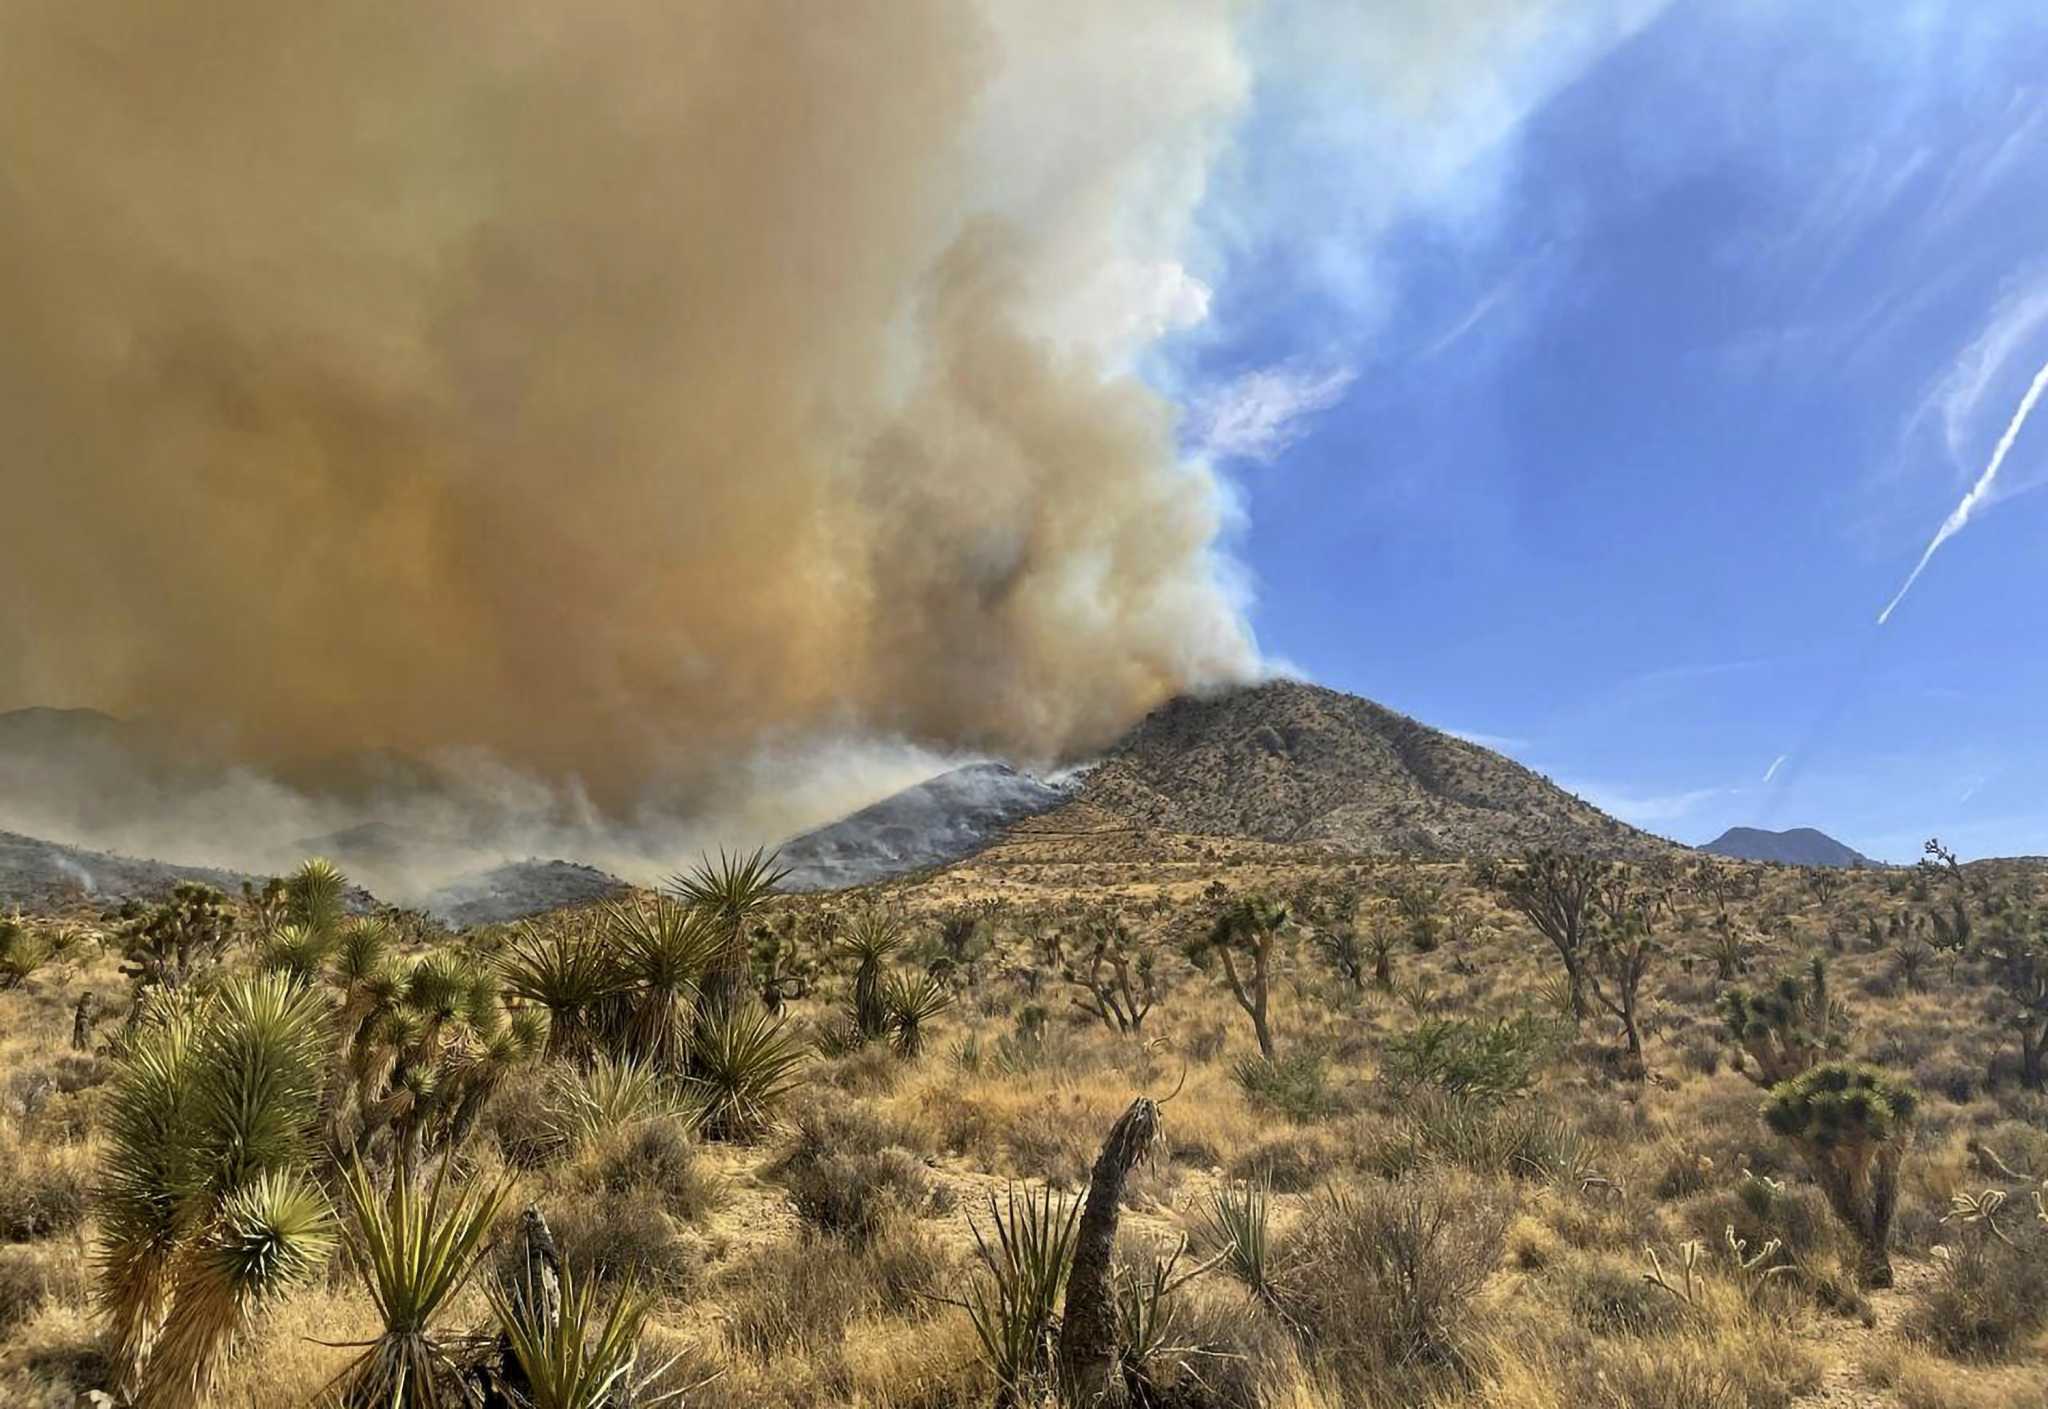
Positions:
(1840, 1104)
(206, 1210)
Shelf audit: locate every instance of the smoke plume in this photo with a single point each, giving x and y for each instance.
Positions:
(615, 389)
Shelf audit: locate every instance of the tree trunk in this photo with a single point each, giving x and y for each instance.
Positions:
(81, 1023)
(1088, 1352)
(1862, 1191)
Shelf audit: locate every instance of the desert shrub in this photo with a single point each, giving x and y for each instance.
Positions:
(1947, 1075)
(854, 1195)
(1704, 1373)
(1518, 1142)
(1699, 1055)
(1609, 1296)
(521, 1122)
(799, 1296)
(866, 1070)
(620, 1240)
(1396, 1268)
(1472, 1061)
(42, 1193)
(1295, 1086)
(1292, 1162)
(658, 1159)
(1989, 1294)
(30, 1277)
(1682, 1170)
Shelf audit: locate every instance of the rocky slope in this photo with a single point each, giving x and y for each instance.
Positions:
(939, 820)
(1290, 762)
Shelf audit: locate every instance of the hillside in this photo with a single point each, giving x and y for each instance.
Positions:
(941, 819)
(1798, 846)
(42, 876)
(1290, 762)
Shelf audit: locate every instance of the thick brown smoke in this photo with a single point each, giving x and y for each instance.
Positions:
(613, 387)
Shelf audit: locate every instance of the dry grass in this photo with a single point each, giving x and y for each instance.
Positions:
(813, 1269)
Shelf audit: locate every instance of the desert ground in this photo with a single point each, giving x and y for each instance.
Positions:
(1438, 1188)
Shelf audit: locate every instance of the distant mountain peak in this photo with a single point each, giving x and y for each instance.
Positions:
(1797, 846)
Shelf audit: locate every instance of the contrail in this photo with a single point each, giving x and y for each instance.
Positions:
(1776, 764)
(1955, 521)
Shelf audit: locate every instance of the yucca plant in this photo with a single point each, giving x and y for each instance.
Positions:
(270, 1236)
(1013, 1304)
(206, 1213)
(299, 952)
(572, 973)
(571, 1354)
(745, 1063)
(729, 893)
(612, 1095)
(23, 950)
(911, 1003)
(664, 950)
(413, 1251)
(315, 895)
(868, 940)
(1238, 1225)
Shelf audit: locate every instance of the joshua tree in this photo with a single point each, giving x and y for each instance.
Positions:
(1618, 954)
(569, 971)
(780, 970)
(1241, 942)
(1556, 893)
(1115, 974)
(1851, 1123)
(425, 1046)
(2017, 946)
(730, 892)
(179, 943)
(1337, 939)
(1823, 881)
(206, 1211)
(1783, 1030)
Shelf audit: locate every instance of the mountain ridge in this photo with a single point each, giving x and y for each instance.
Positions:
(1795, 846)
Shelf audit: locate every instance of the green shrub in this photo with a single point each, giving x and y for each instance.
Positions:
(1488, 1063)
(1295, 1086)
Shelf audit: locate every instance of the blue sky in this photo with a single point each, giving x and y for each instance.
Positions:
(1592, 395)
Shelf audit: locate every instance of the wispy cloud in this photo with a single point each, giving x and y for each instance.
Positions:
(1776, 764)
(1258, 415)
(1958, 398)
(1647, 809)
